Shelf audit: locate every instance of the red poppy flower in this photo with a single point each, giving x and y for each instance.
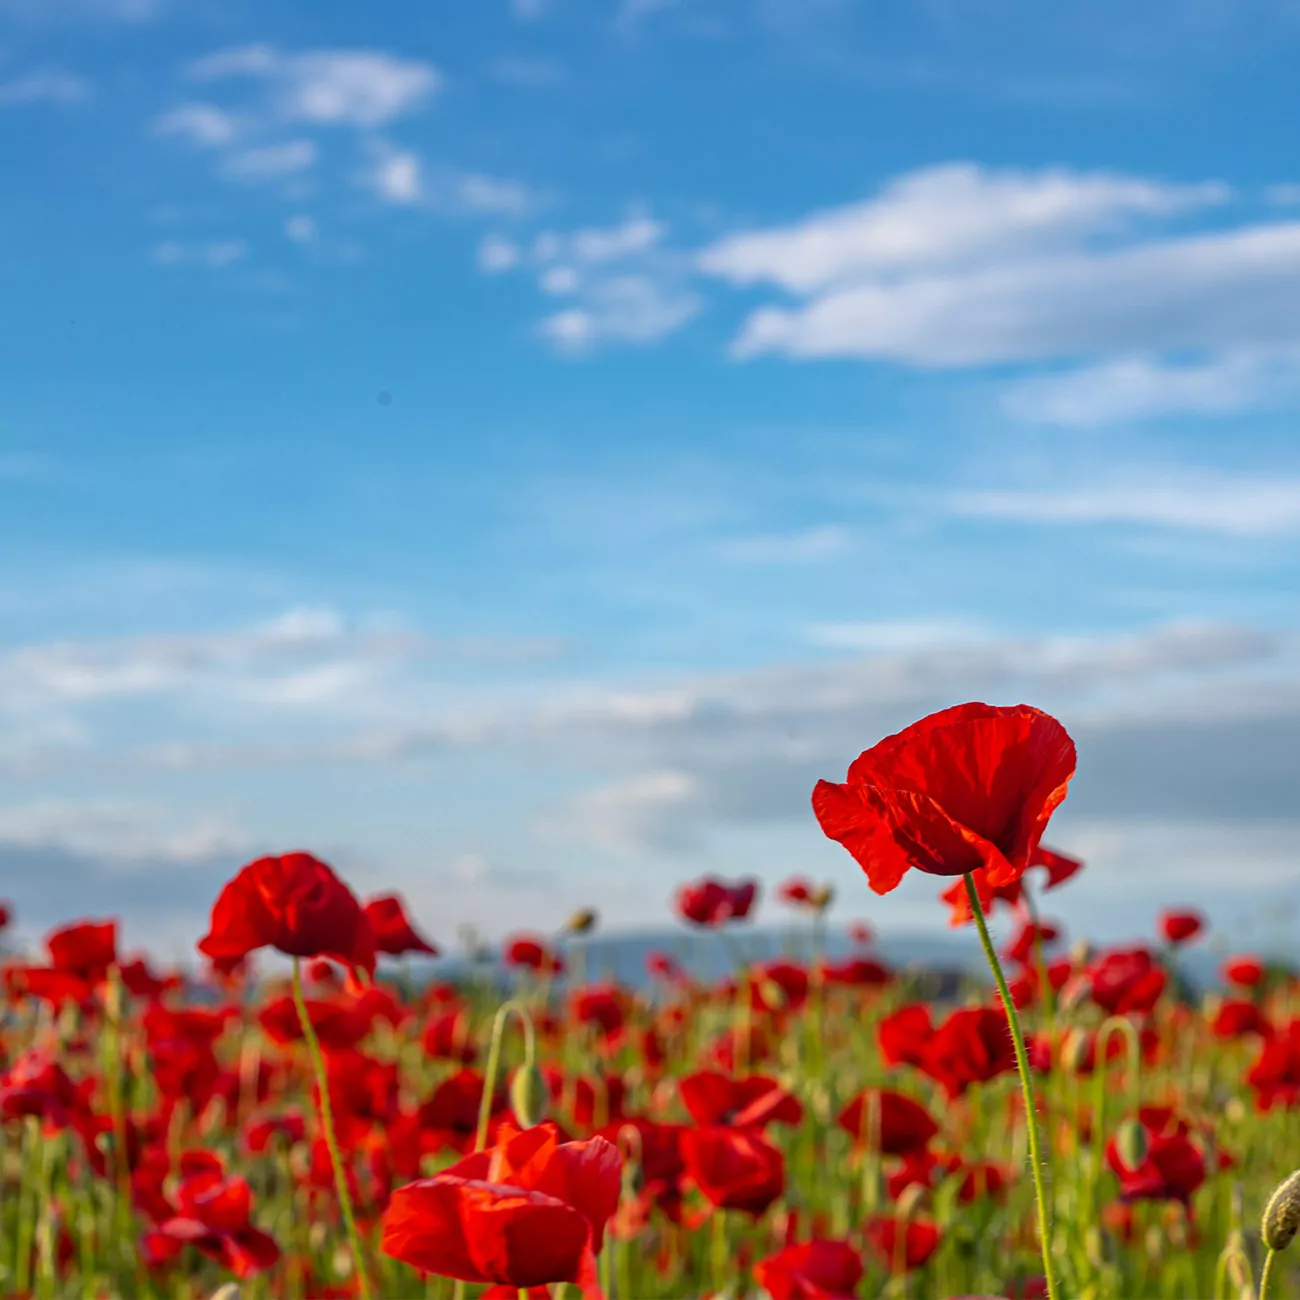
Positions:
(1275, 1075)
(1060, 866)
(1125, 980)
(450, 1116)
(754, 1102)
(710, 901)
(903, 1036)
(797, 891)
(1245, 972)
(1172, 1169)
(603, 1007)
(213, 1217)
(394, 933)
(1021, 949)
(971, 1046)
(903, 1245)
(814, 1270)
(339, 1024)
(856, 972)
(903, 1125)
(958, 899)
(735, 1169)
(660, 965)
(778, 986)
(527, 952)
(446, 1037)
(970, 787)
(527, 1213)
(1237, 1019)
(1178, 927)
(296, 904)
(860, 933)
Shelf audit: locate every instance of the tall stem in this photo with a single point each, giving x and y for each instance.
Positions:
(494, 1063)
(1026, 1085)
(331, 1141)
(1266, 1276)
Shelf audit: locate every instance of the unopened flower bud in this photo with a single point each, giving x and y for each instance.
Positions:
(230, 1291)
(821, 898)
(773, 995)
(1074, 1051)
(1132, 1143)
(529, 1097)
(583, 921)
(1155, 1242)
(1282, 1214)
(911, 1200)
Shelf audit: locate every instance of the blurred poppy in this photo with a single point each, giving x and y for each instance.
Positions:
(754, 1102)
(393, 931)
(902, 1244)
(813, 1270)
(1245, 972)
(711, 902)
(1180, 926)
(902, 1124)
(735, 1169)
(969, 787)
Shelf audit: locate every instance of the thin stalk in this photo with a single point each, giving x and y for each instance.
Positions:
(1267, 1275)
(494, 1062)
(331, 1140)
(1026, 1085)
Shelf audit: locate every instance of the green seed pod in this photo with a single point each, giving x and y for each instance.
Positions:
(1282, 1214)
(1132, 1143)
(529, 1098)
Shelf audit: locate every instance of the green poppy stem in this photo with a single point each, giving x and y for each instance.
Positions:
(1026, 1085)
(1267, 1275)
(331, 1140)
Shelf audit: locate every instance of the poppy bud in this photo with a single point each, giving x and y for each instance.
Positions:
(528, 1096)
(1282, 1214)
(230, 1291)
(1074, 1051)
(1132, 1143)
(583, 921)
(1234, 1110)
(822, 897)
(773, 994)
(1155, 1244)
(912, 1200)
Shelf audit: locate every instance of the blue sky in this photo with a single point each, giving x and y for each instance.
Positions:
(515, 448)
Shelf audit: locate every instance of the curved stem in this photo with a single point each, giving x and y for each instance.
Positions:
(1266, 1276)
(331, 1141)
(1026, 1085)
(494, 1062)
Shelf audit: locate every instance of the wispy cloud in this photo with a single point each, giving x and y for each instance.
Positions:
(1139, 388)
(364, 88)
(268, 162)
(1232, 505)
(809, 544)
(44, 86)
(214, 254)
(200, 124)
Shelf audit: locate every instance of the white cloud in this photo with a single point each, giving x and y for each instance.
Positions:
(528, 11)
(559, 280)
(1232, 505)
(117, 832)
(216, 254)
(396, 176)
(266, 162)
(364, 88)
(594, 245)
(893, 637)
(47, 86)
(1233, 289)
(301, 229)
(623, 309)
(1136, 388)
(654, 810)
(496, 254)
(951, 215)
(201, 124)
(400, 177)
(816, 543)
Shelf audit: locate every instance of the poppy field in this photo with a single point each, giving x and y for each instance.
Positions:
(1078, 1123)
